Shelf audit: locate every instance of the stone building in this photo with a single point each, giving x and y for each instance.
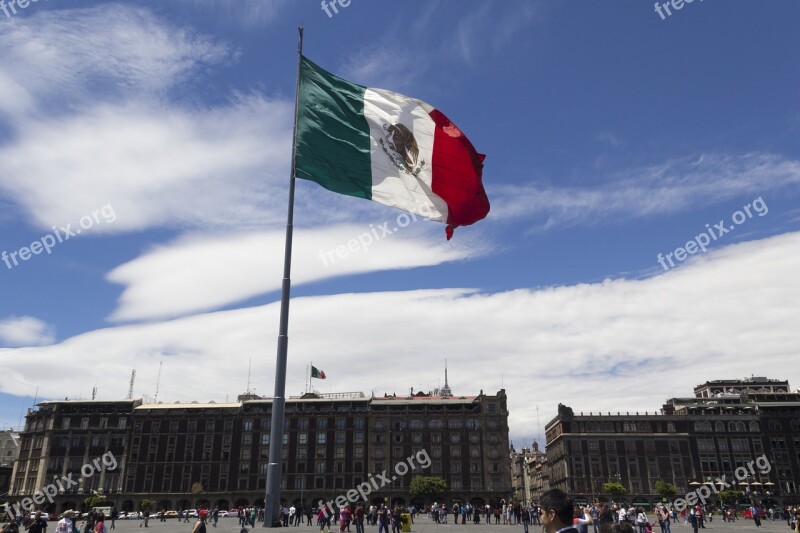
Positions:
(185, 455)
(690, 442)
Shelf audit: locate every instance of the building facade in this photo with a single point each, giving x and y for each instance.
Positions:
(524, 472)
(202, 455)
(690, 442)
(9, 447)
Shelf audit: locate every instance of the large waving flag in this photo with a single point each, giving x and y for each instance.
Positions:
(386, 147)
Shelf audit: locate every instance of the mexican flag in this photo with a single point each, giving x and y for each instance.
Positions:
(383, 146)
(317, 373)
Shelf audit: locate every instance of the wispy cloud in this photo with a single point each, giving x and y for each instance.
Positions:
(672, 187)
(57, 59)
(25, 331)
(203, 272)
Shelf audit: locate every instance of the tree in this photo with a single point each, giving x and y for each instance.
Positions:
(95, 501)
(616, 490)
(666, 490)
(730, 496)
(197, 488)
(145, 505)
(428, 487)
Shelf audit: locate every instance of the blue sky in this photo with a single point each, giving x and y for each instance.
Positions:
(612, 135)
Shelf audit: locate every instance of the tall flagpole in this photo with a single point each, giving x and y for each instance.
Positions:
(273, 497)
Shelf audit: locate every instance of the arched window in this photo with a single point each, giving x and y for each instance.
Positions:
(740, 427)
(719, 427)
(698, 426)
(754, 426)
(731, 426)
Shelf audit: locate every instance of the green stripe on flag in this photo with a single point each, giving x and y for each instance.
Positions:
(333, 143)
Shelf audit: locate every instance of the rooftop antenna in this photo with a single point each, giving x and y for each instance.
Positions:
(446, 392)
(36, 395)
(249, 365)
(94, 392)
(158, 381)
(130, 388)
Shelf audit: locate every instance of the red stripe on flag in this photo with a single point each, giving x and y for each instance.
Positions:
(457, 174)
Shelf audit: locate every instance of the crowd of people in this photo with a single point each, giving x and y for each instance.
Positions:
(555, 513)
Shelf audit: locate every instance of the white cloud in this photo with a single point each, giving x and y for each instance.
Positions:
(617, 345)
(672, 187)
(25, 331)
(202, 272)
(155, 166)
(245, 13)
(108, 52)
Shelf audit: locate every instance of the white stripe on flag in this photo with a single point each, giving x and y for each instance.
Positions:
(390, 185)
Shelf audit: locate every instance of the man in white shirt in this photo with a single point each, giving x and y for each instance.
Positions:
(65, 524)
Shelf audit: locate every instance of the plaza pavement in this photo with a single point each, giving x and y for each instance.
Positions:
(424, 525)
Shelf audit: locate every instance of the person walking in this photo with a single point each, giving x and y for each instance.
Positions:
(641, 519)
(100, 525)
(200, 525)
(324, 519)
(383, 519)
(526, 520)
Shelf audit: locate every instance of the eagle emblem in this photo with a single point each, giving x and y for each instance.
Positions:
(399, 144)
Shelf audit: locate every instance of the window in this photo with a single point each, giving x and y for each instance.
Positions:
(319, 468)
(341, 437)
(435, 424)
(341, 423)
(358, 437)
(416, 438)
(65, 423)
(302, 452)
(358, 423)
(455, 423)
(265, 439)
(416, 424)
(358, 451)
(492, 408)
(302, 438)
(455, 467)
(322, 438)
(247, 439)
(436, 437)
(247, 425)
(322, 423)
(455, 451)
(122, 423)
(455, 438)
(211, 426)
(191, 426)
(85, 423)
(338, 452)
